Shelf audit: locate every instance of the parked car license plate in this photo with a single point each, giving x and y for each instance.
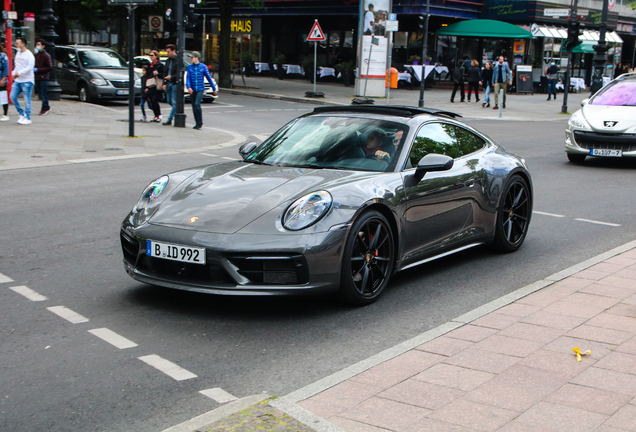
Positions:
(174, 252)
(122, 92)
(605, 152)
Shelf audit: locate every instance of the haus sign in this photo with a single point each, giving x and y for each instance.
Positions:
(239, 26)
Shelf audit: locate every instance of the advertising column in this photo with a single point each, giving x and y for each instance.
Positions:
(372, 47)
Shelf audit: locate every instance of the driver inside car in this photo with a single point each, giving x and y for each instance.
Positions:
(373, 146)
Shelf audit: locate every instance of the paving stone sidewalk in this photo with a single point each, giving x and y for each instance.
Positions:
(510, 370)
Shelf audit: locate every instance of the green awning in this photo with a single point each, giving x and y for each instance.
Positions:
(585, 47)
(486, 29)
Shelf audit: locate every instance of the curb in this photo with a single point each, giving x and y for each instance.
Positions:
(217, 414)
(280, 97)
(288, 403)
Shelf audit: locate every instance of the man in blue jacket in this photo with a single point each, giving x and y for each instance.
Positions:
(501, 78)
(195, 84)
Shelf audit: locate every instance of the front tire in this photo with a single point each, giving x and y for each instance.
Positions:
(368, 259)
(576, 158)
(513, 215)
(84, 94)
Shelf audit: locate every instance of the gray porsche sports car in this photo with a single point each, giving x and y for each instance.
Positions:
(337, 200)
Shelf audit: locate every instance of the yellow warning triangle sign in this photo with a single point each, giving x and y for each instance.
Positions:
(316, 33)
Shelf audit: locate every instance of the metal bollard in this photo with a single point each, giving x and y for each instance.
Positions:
(501, 99)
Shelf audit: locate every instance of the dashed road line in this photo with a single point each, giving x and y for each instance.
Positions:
(548, 214)
(228, 158)
(597, 222)
(28, 293)
(167, 367)
(68, 315)
(113, 338)
(219, 395)
(5, 279)
(208, 154)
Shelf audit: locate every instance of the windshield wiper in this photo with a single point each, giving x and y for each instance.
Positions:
(257, 162)
(106, 67)
(310, 165)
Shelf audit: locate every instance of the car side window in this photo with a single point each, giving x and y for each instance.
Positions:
(432, 138)
(445, 139)
(61, 56)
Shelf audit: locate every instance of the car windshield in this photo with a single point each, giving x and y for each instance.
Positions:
(617, 93)
(334, 142)
(101, 59)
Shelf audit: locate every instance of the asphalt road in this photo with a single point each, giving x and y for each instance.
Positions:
(59, 236)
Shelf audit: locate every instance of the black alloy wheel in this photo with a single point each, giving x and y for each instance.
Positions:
(368, 259)
(513, 216)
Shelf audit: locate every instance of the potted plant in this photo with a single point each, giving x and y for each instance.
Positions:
(346, 68)
(248, 63)
(308, 67)
(279, 60)
(415, 59)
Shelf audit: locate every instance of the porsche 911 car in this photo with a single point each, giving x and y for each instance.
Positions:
(606, 124)
(337, 200)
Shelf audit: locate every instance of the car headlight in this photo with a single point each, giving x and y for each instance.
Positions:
(151, 193)
(99, 82)
(307, 210)
(577, 120)
(138, 82)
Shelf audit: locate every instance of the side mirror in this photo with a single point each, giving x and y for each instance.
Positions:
(584, 101)
(246, 149)
(433, 162)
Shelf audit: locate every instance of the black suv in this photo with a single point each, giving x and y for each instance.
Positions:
(93, 73)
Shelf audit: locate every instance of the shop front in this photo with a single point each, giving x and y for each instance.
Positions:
(245, 40)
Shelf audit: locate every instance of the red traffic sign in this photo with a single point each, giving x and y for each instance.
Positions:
(316, 33)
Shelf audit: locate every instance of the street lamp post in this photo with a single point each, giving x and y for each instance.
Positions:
(424, 47)
(47, 22)
(180, 117)
(600, 58)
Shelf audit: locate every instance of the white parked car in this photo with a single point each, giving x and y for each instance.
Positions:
(605, 126)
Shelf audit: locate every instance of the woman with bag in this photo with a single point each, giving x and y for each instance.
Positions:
(154, 84)
(4, 81)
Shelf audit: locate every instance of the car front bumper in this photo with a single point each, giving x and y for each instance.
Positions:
(578, 141)
(239, 264)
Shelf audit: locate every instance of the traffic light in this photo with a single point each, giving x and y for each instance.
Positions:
(171, 11)
(574, 30)
(421, 21)
(192, 18)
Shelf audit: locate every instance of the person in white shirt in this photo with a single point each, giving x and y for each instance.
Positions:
(23, 80)
(368, 21)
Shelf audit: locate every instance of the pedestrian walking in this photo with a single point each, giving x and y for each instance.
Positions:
(552, 76)
(196, 73)
(144, 95)
(41, 70)
(474, 77)
(501, 78)
(4, 81)
(23, 80)
(486, 82)
(458, 79)
(154, 84)
(170, 82)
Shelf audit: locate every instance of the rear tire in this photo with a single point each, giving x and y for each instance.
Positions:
(368, 259)
(513, 215)
(576, 158)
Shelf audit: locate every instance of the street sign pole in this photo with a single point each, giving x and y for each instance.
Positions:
(315, 62)
(566, 84)
(180, 117)
(131, 70)
(315, 34)
(424, 46)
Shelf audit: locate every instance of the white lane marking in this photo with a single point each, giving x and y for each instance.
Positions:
(208, 154)
(5, 279)
(548, 214)
(113, 338)
(68, 315)
(597, 222)
(275, 109)
(167, 367)
(28, 293)
(219, 395)
(228, 158)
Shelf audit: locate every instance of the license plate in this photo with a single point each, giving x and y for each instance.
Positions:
(607, 153)
(122, 92)
(175, 252)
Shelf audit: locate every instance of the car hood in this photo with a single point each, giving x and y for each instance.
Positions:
(112, 74)
(229, 196)
(597, 115)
